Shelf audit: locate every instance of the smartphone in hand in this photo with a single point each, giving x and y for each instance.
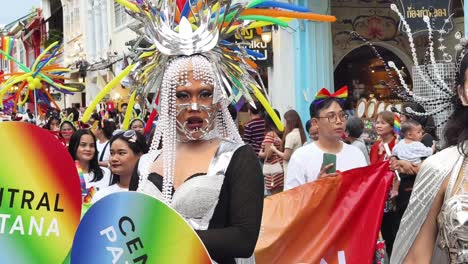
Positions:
(329, 159)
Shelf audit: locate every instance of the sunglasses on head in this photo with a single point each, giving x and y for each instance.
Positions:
(126, 133)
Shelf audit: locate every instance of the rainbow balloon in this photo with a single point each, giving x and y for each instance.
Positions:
(40, 197)
(134, 227)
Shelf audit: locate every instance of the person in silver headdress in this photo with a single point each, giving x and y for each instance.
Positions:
(197, 163)
(434, 226)
(217, 183)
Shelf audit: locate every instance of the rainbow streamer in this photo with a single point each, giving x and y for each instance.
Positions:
(7, 45)
(82, 180)
(397, 125)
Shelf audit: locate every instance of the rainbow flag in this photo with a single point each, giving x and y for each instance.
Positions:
(397, 125)
(332, 220)
(8, 44)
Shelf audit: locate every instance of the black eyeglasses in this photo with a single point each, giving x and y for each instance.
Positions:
(333, 117)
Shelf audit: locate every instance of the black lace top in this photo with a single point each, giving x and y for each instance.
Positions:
(235, 225)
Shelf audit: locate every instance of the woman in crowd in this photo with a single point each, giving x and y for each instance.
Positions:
(293, 138)
(103, 133)
(126, 149)
(82, 148)
(53, 124)
(433, 228)
(272, 166)
(138, 126)
(384, 128)
(66, 131)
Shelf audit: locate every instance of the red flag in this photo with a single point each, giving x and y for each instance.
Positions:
(331, 220)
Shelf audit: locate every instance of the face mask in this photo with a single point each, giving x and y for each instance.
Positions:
(185, 128)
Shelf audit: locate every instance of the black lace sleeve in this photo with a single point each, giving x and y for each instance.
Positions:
(235, 226)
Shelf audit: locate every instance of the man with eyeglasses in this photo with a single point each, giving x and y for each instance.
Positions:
(307, 163)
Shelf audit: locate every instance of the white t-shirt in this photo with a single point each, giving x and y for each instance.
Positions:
(293, 142)
(100, 148)
(306, 162)
(103, 183)
(108, 190)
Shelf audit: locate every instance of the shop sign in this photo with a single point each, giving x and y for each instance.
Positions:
(415, 10)
(249, 38)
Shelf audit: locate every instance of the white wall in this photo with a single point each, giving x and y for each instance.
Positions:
(69, 100)
(121, 34)
(281, 75)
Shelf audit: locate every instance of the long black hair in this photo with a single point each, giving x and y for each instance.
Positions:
(456, 130)
(270, 124)
(137, 144)
(108, 127)
(93, 163)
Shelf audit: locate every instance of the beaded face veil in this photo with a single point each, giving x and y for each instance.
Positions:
(177, 75)
(218, 123)
(181, 41)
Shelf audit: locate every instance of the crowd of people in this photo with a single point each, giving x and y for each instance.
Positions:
(111, 160)
(109, 157)
(195, 160)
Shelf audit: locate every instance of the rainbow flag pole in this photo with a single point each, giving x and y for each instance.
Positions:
(397, 125)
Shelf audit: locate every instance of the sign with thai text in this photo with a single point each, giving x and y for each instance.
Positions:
(250, 39)
(415, 10)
